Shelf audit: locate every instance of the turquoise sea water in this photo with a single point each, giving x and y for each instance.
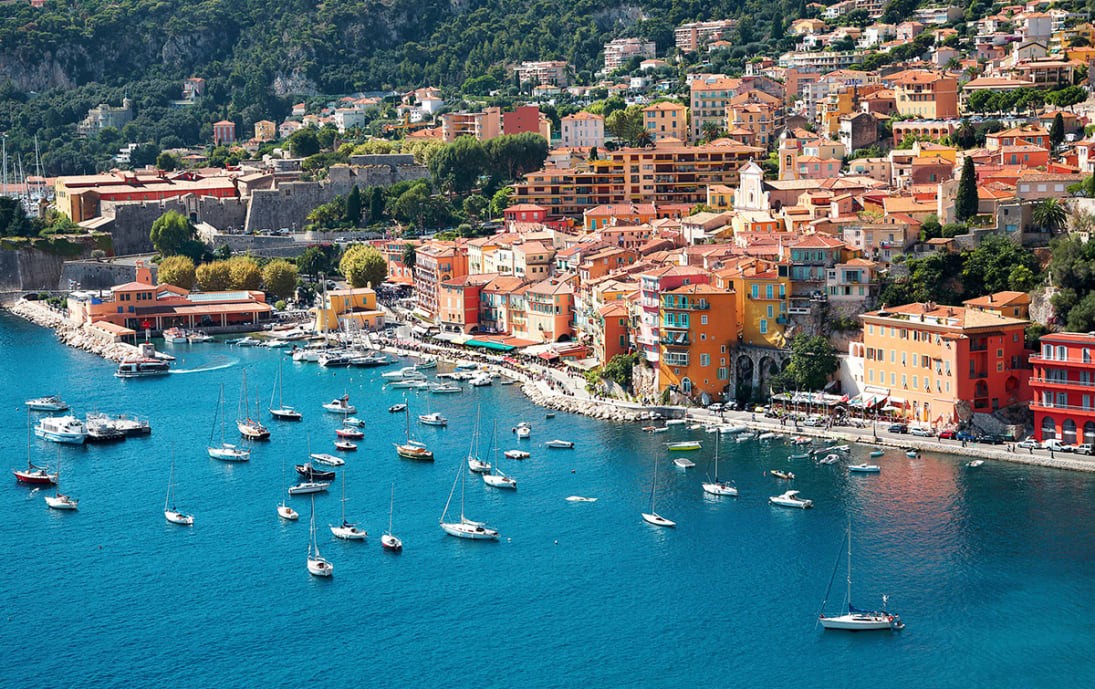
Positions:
(989, 567)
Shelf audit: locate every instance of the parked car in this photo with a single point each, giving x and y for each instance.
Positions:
(947, 434)
(920, 431)
(1083, 449)
(1028, 444)
(989, 439)
(897, 428)
(966, 436)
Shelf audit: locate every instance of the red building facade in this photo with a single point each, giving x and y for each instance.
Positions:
(1063, 384)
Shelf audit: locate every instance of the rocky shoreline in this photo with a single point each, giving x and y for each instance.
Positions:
(68, 334)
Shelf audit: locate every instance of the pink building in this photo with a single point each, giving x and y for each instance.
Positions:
(224, 132)
(652, 284)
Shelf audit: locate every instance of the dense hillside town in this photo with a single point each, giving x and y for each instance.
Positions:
(882, 202)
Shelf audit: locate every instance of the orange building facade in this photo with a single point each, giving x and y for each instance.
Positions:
(697, 326)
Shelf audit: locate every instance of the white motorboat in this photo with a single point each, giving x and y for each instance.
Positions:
(198, 336)
(329, 460)
(768, 436)
(341, 405)
(307, 355)
(345, 445)
(560, 444)
(51, 403)
(516, 454)
(652, 517)
(801, 440)
(579, 498)
(718, 487)
(62, 429)
(226, 452)
(306, 487)
(353, 421)
(445, 388)
(405, 372)
(735, 429)
(317, 565)
(464, 528)
(975, 463)
(347, 531)
(684, 463)
(523, 430)
(433, 419)
(742, 437)
(791, 499)
(169, 511)
(174, 335)
(480, 380)
(864, 468)
(396, 408)
(494, 476)
(476, 464)
(334, 359)
(857, 620)
(676, 422)
(389, 541)
(408, 384)
(831, 458)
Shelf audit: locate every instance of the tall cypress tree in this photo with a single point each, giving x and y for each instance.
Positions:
(353, 206)
(965, 202)
(1057, 130)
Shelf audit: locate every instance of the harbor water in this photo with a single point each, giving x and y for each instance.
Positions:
(989, 567)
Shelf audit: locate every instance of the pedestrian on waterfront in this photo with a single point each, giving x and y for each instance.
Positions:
(1031, 450)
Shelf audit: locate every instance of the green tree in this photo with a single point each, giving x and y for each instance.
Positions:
(353, 207)
(619, 369)
(410, 255)
(167, 162)
(989, 268)
(930, 228)
(376, 205)
(813, 360)
(245, 273)
(965, 202)
(304, 143)
(363, 266)
(1057, 130)
(458, 165)
(1049, 215)
(501, 200)
(626, 125)
(280, 278)
(171, 232)
(13, 219)
(313, 261)
(474, 206)
(178, 271)
(215, 276)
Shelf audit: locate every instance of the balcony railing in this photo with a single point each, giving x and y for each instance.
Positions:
(1061, 381)
(1038, 358)
(677, 341)
(1053, 405)
(689, 306)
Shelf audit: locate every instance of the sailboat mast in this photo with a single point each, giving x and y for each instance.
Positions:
(391, 506)
(343, 496)
(653, 485)
(849, 594)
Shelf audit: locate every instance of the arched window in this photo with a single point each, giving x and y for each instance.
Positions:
(1068, 432)
(686, 386)
(1089, 432)
(1049, 431)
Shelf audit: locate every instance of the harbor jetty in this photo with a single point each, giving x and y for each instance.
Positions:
(86, 338)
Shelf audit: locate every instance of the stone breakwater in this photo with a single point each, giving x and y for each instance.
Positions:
(83, 338)
(594, 408)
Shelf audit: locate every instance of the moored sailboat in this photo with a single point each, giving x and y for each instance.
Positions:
(653, 517)
(347, 530)
(856, 619)
(281, 411)
(169, 512)
(412, 449)
(225, 451)
(465, 528)
(389, 541)
(251, 429)
(318, 565)
(494, 476)
(718, 487)
(59, 501)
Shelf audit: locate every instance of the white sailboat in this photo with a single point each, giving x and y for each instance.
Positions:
(249, 428)
(718, 487)
(465, 528)
(494, 476)
(856, 619)
(59, 501)
(281, 411)
(388, 541)
(347, 530)
(653, 517)
(317, 565)
(474, 462)
(284, 511)
(173, 515)
(225, 451)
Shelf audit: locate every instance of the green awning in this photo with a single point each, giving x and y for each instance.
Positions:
(489, 345)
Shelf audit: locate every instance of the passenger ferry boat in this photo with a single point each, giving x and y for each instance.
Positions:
(62, 429)
(142, 368)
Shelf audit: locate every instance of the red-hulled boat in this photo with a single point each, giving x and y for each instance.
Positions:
(351, 433)
(36, 475)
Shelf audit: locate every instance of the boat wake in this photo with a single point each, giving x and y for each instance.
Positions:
(204, 369)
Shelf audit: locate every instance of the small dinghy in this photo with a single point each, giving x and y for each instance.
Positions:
(786, 475)
(684, 463)
(877, 453)
(345, 446)
(864, 468)
(516, 454)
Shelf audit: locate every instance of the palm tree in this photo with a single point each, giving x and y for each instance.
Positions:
(1049, 215)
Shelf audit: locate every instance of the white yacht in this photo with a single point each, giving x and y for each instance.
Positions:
(523, 430)
(62, 429)
(857, 620)
(347, 531)
(341, 405)
(51, 403)
(465, 528)
(306, 487)
(169, 512)
(329, 460)
(791, 499)
(317, 565)
(560, 444)
(718, 487)
(653, 517)
(433, 419)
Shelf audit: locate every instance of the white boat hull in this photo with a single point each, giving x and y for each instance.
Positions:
(67, 438)
(178, 517)
(390, 542)
(719, 489)
(783, 502)
(61, 502)
(287, 513)
(320, 567)
(497, 481)
(856, 622)
(229, 454)
(329, 460)
(337, 409)
(658, 520)
(349, 533)
(472, 532)
(306, 488)
(478, 466)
